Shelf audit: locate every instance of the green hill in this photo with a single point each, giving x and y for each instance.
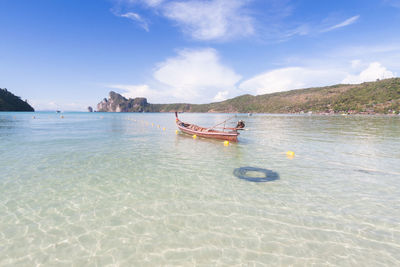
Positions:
(10, 102)
(371, 97)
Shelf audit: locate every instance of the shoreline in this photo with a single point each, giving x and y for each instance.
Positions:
(243, 113)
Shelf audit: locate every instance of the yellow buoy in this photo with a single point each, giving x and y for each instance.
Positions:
(290, 154)
(194, 136)
(163, 129)
(176, 131)
(226, 143)
(152, 124)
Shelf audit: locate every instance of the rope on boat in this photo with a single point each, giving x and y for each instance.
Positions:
(269, 175)
(228, 119)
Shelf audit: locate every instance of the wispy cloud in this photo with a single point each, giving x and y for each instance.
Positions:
(153, 3)
(136, 17)
(345, 23)
(211, 20)
(222, 20)
(394, 3)
(150, 3)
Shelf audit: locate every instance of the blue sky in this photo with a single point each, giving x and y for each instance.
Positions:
(69, 54)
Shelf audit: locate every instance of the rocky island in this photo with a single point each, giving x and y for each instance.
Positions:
(10, 102)
(379, 97)
(118, 103)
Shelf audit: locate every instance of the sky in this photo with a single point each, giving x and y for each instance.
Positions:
(68, 55)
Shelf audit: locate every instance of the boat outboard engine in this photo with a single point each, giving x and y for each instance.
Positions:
(240, 125)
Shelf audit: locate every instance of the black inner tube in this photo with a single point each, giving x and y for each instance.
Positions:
(268, 175)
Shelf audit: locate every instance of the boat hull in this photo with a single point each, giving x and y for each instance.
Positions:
(226, 136)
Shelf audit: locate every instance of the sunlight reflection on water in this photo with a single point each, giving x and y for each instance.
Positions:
(111, 189)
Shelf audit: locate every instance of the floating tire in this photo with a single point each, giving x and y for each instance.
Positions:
(268, 175)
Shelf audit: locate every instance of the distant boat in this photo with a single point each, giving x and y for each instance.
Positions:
(250, 114)
(58, 111)
(226, 133)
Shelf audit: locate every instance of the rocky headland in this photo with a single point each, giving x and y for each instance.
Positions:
(118, 103)
(11, 102)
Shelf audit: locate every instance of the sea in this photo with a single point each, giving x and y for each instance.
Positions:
(128, 189)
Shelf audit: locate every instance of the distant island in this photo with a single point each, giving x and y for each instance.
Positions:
(10, 102)
(379, 97)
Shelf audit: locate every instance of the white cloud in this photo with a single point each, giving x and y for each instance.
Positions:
(345, 23)
(202, 20)
(290, 78)
(211, 20)
(199, 76)
(221, 96)
(150, 3)
(153, 3)
(136, 17)
(195, 75)
(222, 20)
(284, 79)
(374, 71)
(141, 90)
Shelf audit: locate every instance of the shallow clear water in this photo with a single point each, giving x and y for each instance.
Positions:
(96, 189)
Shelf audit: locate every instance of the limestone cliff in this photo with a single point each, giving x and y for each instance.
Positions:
(118, 103)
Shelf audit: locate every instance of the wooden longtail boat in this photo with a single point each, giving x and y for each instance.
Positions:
(227, 134)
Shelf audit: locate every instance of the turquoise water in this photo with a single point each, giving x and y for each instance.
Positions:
(95, 189)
